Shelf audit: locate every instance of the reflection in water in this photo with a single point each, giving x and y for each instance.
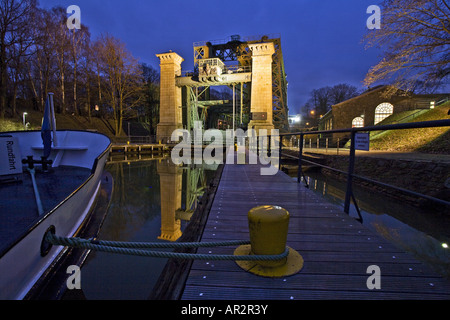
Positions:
(172, 209)
(424, 234)
(170, 181)
(152, 201)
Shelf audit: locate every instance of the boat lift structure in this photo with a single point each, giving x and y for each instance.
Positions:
(252, 67)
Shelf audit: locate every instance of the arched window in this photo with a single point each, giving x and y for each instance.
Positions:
(358, 122)
(383, 111)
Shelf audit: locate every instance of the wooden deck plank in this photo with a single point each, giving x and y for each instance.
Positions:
(244, 293)
(332, 282)
(336, 248)
(342, 268)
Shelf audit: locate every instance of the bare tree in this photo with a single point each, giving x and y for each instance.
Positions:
(15, 18)
(38, 54)
(87, 74)
(60, 39)
(342, 92)
(96, 46)
(78, 40)
(43, 65)
(415, 36)
(151, 96)
(123, 75)
(18, 55)
(322, 99)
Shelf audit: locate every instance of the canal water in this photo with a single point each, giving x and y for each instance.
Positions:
(152, 201)
(423, 233)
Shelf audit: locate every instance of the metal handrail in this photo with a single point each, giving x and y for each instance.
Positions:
(350, 173)
(441, 101)
(232, 68)
(408, 125)
(238, 68)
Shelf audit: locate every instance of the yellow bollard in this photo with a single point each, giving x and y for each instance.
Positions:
(268, 228)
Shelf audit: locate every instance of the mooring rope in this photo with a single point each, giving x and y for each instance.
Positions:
(139, 248)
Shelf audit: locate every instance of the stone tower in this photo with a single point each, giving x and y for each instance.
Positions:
(261, 91)
(170, 112)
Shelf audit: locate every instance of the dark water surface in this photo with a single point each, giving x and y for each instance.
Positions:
(423, 233)
(151, 202)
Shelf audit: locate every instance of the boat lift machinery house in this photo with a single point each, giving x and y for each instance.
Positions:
(252, 67)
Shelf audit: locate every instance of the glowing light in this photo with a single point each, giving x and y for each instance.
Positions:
(24, 115)
(444, 245)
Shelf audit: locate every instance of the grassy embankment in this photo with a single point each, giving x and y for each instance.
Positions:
(428, 140)
(63, 122)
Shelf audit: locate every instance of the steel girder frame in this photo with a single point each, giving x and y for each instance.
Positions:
(198, 109)
(194, 176)
(193, 106)
(236, 50)
(279, 91)
(228, 51)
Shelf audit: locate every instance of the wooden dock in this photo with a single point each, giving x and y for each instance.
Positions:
(337, 249)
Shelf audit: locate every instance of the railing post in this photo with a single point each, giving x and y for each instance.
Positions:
(300, 154)
(280, 146)
(337, 150)
(351, 166)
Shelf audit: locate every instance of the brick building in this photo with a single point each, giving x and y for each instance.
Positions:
(372, 106)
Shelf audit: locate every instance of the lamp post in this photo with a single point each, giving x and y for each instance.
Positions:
(24, 123)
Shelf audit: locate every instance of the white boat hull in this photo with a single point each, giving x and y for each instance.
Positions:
(22, 265)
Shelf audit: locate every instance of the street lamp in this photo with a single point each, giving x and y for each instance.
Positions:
(24, 123)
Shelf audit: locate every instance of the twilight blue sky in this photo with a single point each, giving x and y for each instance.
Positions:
(321, 39)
